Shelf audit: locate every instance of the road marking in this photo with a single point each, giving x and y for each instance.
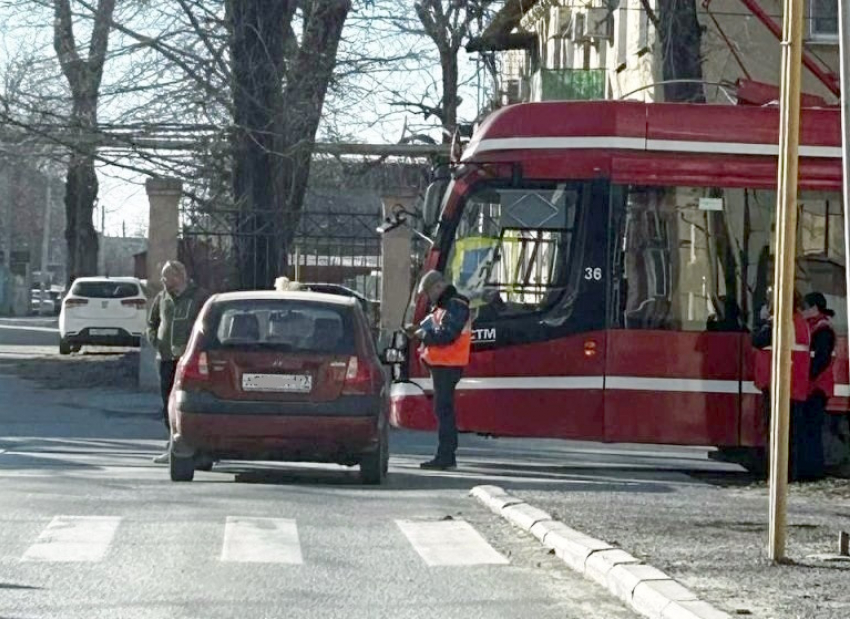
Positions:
(261, 540)
(74, 539)
(450, 542)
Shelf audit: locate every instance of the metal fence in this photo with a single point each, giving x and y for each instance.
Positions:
(328, 247)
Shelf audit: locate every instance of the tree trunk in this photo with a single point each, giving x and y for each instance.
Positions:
(278, 94)
(451, 77)
(680, 37)
(257, 33)
(84, 77)
(308, 77)
(80, 194)
(81, 188)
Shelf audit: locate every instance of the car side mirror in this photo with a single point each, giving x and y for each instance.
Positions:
(432, 203)
(391, 356)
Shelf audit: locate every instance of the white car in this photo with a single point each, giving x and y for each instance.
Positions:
(102, 311)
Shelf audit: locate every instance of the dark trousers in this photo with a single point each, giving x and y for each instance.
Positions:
(805, 438)
(167, 370)
(810, 455)
(445, 381)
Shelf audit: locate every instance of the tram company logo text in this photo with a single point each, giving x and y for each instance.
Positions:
(483, 336)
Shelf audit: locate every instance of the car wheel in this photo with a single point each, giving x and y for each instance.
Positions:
(203, 462)
(181, 468)
(374, 465)
(64, 347)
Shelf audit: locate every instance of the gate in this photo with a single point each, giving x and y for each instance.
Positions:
(335, 242)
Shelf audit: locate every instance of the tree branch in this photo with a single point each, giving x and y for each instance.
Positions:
(650, 13)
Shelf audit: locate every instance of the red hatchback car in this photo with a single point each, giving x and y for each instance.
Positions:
(290, 376)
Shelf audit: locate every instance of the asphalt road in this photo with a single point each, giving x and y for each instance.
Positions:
(90, 528)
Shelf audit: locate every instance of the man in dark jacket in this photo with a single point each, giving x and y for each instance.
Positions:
(446, 336)
(170, 323)
(821, 379)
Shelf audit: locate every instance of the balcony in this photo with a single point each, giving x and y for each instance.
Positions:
(568, 84)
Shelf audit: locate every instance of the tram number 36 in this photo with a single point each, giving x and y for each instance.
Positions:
(592, 274)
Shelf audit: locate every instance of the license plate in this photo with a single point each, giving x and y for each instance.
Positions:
(280, 383)
(103, 331)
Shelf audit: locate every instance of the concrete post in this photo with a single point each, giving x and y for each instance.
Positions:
(396, 248)
(164, 199)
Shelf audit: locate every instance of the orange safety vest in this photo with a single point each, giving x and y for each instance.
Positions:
(825, 381)
(800, 362)
(455, 354)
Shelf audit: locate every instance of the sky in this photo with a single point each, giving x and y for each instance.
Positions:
(123, 205)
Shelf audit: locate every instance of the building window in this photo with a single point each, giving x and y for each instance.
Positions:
(823, 19)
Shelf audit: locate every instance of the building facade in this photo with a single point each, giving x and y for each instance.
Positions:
(611, 49)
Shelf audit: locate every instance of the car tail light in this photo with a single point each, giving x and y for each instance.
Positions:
(195, 368)
(75, 302)
(137, 303)
(358, 377)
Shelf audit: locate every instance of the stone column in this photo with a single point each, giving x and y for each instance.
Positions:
(164, 198)
(163, 229)
(396, 247)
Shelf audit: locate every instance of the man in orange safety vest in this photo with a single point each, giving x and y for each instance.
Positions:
(446, 337)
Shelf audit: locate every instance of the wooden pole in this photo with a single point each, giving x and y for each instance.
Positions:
(784, 272)
(844, 42)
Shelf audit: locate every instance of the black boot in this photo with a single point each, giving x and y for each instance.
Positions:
(439, 464)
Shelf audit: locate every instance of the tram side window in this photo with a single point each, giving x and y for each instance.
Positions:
(677, 262)
(820, 247)
(820, 255)
(512, 248)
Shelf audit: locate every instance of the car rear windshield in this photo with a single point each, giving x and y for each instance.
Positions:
(105, 290)
(285, 326)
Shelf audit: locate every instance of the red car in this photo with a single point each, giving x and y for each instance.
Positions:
(290, 376)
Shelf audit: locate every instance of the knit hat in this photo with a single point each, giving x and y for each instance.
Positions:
(816, 299)
(429, 280)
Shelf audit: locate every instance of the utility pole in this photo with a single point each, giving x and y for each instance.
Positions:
(784, 273)
(8, 221)
(45, 243)
(101, 253)
(844, 42)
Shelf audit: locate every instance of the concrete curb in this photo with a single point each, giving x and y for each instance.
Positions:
(648, 591)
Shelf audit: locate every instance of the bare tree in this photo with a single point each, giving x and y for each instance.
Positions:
(84, 77)
(279, 86)
(246, 81)
(448, 24)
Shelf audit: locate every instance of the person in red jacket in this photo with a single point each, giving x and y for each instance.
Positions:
(800, 364)
(821, 383)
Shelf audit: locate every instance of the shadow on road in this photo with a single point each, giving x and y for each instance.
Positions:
(410, 478)
(9, 585)
(727, 479)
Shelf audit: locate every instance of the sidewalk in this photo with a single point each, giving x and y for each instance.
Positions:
(86, 371)
(51, 322)
(712, 537)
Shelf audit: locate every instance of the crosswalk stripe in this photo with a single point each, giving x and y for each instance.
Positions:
(449, 542)
(261, 540)
(74, 539)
